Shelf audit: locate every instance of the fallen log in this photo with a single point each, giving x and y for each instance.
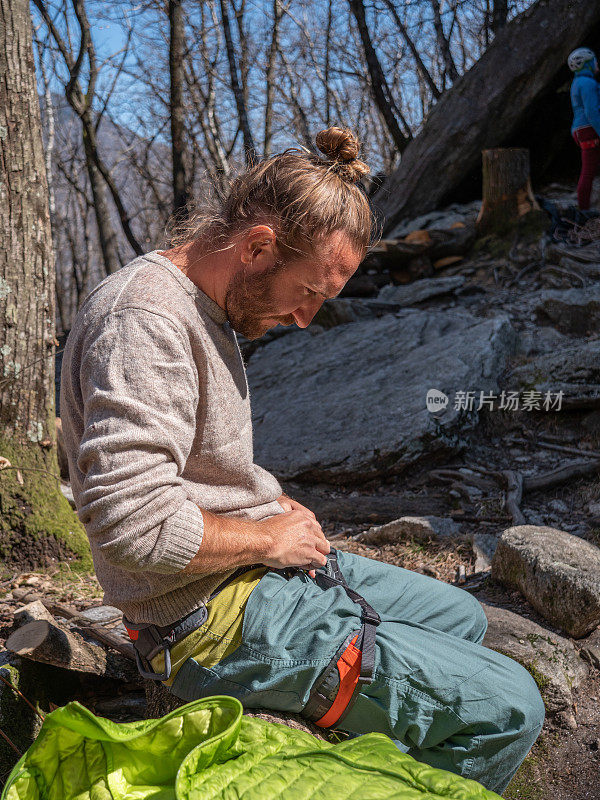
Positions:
(102, 635)
(32, 612)
(49, 643)
(160, 701)
(557, 477)
(525, 57)
(43, 641)
(433, 246)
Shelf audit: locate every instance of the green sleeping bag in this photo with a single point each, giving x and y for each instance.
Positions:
(206, 750)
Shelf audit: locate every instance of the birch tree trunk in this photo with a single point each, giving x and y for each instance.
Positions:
(36, 521)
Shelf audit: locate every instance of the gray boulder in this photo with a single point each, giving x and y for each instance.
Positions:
(411, 293)
(558, 573)
(552, 660)
(411, 527)
(590, 648)
(442, 220)
(574, 311)
(351, 402)
(573, 370)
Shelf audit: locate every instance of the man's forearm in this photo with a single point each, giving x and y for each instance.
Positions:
(228, 543)
(290, 539)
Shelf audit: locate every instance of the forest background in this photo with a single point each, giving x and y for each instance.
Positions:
(148, 104)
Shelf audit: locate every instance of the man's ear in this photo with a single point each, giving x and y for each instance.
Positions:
(258, 244)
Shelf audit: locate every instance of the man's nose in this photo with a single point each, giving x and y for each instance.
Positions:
(304, 314)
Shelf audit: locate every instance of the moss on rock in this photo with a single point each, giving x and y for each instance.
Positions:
(37, 524)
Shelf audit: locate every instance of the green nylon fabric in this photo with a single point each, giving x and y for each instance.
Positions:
(206, 750)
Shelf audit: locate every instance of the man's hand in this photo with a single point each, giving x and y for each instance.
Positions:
(295, 540)
(290, 539)
(289, 504)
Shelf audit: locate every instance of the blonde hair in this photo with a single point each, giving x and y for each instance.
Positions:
(301, 195)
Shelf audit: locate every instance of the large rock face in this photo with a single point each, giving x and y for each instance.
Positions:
(558, 573)
(552, 660)
(351, 402)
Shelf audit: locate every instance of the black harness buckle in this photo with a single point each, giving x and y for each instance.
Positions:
(149, 640)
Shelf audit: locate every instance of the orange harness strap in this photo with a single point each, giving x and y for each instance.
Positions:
(353, 665)
(349, 668)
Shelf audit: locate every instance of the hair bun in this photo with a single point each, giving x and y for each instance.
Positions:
(341, 146)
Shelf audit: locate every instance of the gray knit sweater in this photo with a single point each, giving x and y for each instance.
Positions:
(155, 411)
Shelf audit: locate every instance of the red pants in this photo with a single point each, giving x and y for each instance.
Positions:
(590, 160)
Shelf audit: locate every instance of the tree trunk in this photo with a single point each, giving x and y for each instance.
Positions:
(176, 73)
(36, 521)
(422, 69)
(443, 43)
(507, 193)
(379, 86)
(270, 77)
(485, 106)
(499, 15)
(238, 92)
(106, 231)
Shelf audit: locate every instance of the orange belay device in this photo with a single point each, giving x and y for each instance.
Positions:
(337, 687)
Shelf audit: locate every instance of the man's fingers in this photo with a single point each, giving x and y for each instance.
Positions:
(323, 546)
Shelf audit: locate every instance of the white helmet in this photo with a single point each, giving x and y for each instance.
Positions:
(579, 57)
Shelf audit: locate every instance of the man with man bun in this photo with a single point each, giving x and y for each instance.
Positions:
(227, 585)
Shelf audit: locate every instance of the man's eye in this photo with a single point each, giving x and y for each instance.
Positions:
(308, 290)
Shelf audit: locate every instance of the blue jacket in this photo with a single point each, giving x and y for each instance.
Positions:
(585, 99)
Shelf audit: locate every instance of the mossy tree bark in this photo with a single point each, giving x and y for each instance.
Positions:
(36, 521)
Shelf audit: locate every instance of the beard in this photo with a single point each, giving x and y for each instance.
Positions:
(250, 301)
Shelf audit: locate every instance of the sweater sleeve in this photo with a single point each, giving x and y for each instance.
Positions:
(140, 393)
(590, 95)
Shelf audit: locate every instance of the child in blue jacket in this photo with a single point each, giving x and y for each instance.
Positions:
(585, 99)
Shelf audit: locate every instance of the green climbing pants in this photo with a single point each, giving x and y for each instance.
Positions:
(452, 702)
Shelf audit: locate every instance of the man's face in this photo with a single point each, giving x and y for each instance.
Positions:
(274, 292)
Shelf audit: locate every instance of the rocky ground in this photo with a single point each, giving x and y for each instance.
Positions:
(493, 486)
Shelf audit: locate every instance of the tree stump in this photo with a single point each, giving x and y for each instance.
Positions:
(160, 701)
(507, 193)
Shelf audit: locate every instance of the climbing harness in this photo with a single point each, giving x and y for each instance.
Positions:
(149, 640)
(336, 689)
